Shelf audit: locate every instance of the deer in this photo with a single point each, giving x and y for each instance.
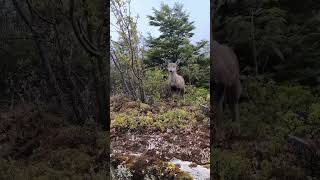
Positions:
(176, 81)
(227, 85)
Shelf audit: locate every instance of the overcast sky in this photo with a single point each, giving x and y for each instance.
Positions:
(199, 12)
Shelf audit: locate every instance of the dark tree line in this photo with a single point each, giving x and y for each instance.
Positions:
(279, 38)
(55, 52)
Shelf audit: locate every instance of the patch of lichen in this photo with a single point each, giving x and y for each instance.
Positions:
(168, 170)
(140, 167)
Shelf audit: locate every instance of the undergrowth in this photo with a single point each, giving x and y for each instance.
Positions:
(51, 149)
(270, 113)
(175, 113)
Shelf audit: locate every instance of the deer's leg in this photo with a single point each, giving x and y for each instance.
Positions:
(234, 108)
(236, 111)
(238, 90)
(219, 121)
(182, 92)
(233, 96)
(219, 93)
(171, 91)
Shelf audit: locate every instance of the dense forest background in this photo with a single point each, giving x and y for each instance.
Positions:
(277, 38)
(277, 43)
(138, 64)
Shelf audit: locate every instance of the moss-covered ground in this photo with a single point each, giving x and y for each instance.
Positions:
(145, 137)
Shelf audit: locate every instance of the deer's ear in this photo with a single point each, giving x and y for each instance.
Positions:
(178, 62)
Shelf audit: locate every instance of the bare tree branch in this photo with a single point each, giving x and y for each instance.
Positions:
(77, 30)
(46, 62)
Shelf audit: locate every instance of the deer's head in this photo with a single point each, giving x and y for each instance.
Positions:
(172, 67)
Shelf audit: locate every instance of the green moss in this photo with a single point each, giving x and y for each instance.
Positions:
(125, 120)
(146, 121)
(315, 112)
(168, 170)
(184, 176)
(37, 171)
(207, 166)
(266, 169)
(192, 165)
(71, 159)
(229, 166)
(271, 112)
(158, 168)
(144, 107)
(175, 118)
(196, 96)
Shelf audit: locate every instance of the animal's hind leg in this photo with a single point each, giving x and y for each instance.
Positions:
(219, 93)
(233, 101)
(182, 94)
(234, 108)
(236, 111)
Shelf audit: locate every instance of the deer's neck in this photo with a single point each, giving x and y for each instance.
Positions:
(173, 74)
(173, 77)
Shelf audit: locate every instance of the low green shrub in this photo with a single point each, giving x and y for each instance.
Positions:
(197, 96)
(269, 113)
(155, 83)
(230, 166)
(278, 109)
(175, 118)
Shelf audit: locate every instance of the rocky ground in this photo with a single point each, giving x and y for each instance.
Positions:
(191, 145)
(175, 129)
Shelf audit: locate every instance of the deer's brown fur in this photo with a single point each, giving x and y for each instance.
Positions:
(176, 81)
(227, 86)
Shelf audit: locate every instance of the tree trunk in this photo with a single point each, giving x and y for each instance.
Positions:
(102, 93)
(42, 55)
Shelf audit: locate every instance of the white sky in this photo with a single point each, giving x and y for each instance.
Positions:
(199, 12)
